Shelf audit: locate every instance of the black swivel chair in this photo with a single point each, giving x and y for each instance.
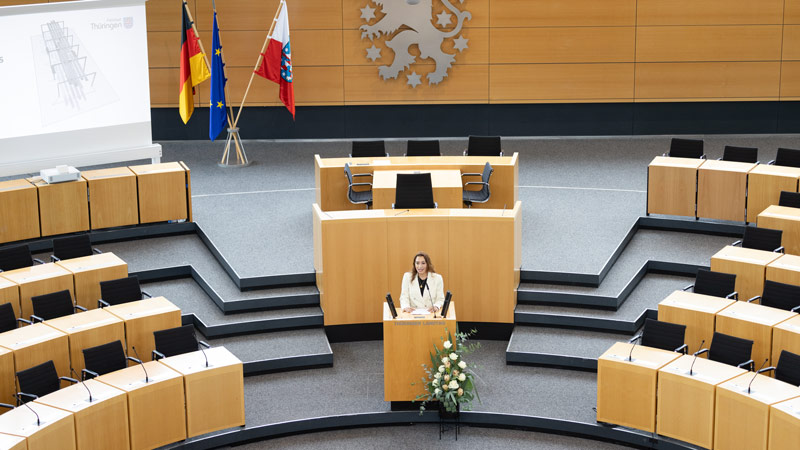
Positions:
(787, 157)
(482, 195)
(368, 149)
(358, 197)
(176, 341)
(8, 320)
(38, 381)
(740, 154)
(729, 350)
(789, 199)
(779, 295)
(104, 359)
(53, 305)
(483, 146)
(121, 290)
(73, 247)
(717, 284)
(423, 148)
(663, 335)
(788, 369)
(17, 257)
(414, 190)
(686, 148)
(761, 239)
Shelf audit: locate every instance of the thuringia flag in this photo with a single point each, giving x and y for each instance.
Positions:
(276, 62)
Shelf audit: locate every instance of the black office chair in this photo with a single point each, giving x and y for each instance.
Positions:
(779, 295)
(761, 239)
(788, 369)
(368, 149)
(358, 197)
(423, 148)
(53, 305)
(414, 190)
(729, 350)
(482, 195)
(787, 157)
(717, 284)
(121, 290)
(740, 154)
(73, 247)
(176, 341)
(686, 148)
(483, 146)
(789, 199)
(8, 320)
(104, 359)
(39, 381)
(17, 257)
(663, 335)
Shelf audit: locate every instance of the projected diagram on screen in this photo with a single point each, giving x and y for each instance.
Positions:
(68, 80)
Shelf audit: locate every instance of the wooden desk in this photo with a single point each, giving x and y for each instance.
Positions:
(785, 269)
(786, 219)
(696, 311)
(56, 428)
(99, 424)
(35, 344)
(785, 336)
(142, 318)
(742, 419)
(407, 344)
(7, 376)
(37, 280)
(63, 207)
(19, 211)
(331, 182)
(9, 293)
(764, 186)
(9, 442)
(113, 197)
(214, 394)
(89, 271)
(686, 402)
(626, 390)
(163, 192)
(722, 189)
(88, 329)
(754, 322)
(672, 186)
(447, 188)
(156, 411)
(749, 266)
(784, 425)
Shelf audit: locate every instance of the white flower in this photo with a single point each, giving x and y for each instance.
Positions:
(462, 364)
(462, 377)
(437, 391)
(437, 375)
(441, 368)
(445, 360)
(447, 344)
(453, 384)
(453, 356)
(435, 383)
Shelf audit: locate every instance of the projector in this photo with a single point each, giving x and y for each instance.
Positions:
(60, 174)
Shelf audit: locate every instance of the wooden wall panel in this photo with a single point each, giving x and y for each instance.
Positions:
(20, 2)
(257, 15)
(709, 12)
(707, 81)
(708, 43)
(309, 47)
(790, 80)
(163, 49)
(561, 13)
(791, 42)
(164, 89)
(562, 45)
(479, 9)
(166, 15)
(560, 82)
(466, 84)
(791, 12)
(312, 86)
(355, 49)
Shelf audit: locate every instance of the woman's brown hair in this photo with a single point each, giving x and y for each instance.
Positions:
(427, 262)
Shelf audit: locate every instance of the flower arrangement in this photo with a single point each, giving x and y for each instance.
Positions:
(449, 379)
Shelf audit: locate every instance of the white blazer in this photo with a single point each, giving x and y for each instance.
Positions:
(434, 292)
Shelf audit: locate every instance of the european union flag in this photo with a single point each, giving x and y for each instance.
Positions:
(217, 117)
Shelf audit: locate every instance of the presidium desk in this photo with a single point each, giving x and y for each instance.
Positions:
(359, 256)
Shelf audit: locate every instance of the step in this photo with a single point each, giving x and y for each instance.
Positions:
(561, 347)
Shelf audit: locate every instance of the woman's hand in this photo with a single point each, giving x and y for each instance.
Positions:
(408, 309)
(433, 309)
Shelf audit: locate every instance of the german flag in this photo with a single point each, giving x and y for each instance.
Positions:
(193, 67)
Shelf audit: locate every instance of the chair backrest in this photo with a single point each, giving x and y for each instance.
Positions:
(176, 341)
(663, 335)
(105, 358)
(348, 173)
(363, 149)
(423, 148)
(762, 238)
(15, 257)
(53, 305)
(8, 320)
(740, 154)
(718, 284)
(729, 350)
(686, 148)
(788, 157)
(72, 247)
(780, 295)
(38, 380)
(121, 290)
(414, 190)
(787, 198)
(788, 368)
(484, 146)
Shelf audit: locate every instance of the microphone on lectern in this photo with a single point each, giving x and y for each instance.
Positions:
(146, 378)
(695, 356)
(756, 374)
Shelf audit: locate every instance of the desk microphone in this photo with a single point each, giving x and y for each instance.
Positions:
(756, 374)
(82, 382)
(146, 378)
(402, 212)
(430, 297)
(33, 397)
(696, 354)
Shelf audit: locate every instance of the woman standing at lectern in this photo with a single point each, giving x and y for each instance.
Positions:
(422, 287)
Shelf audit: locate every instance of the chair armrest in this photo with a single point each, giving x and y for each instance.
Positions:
(758, 162)
(733, 295)
(204, 344)
(688, 287)
(6, 405)
(795, 309)
(362, 175)
(361, 184)
(102, 303)
(38, 261)
(158, 355)
(136, 360)
(148, 295)
(501, 153)
(465, 153)
(700, 352)
(475, 182)
(683, 349)
(71, 380)
(719, 159)
(664, 154)
(97, 251)
(77, 307)
(638, 336)
(20, 319)
(749, 362)
(703, 156)
(780, 250)
(25, 394)
(470, 175)
(766, 369)
(435, 205)
(54, 258)
(753, 299)
(771, 162)
(35, 318)
(737, 243)
(89, 372)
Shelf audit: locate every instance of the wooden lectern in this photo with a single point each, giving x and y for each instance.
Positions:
(785, 269)
(8, 386)
(99, 424)
(113, 199)
(9, 442)
(784, 425)
(89, 271)
(764, 186)
(672, 185)
(722, 189)
(35, 344)
(626, 390)
(749, 266)
(63, 207)
(88, 329)
(750, 321)
(9, 293)
(696, 311)
(214, 394)
(56, 427)
(786, 219)
(163, 192)
(19, 211)
(142, 318)
(37, 280)
(407, 344)
(785, 336)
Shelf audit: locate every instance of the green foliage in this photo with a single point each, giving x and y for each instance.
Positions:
(448, 380)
